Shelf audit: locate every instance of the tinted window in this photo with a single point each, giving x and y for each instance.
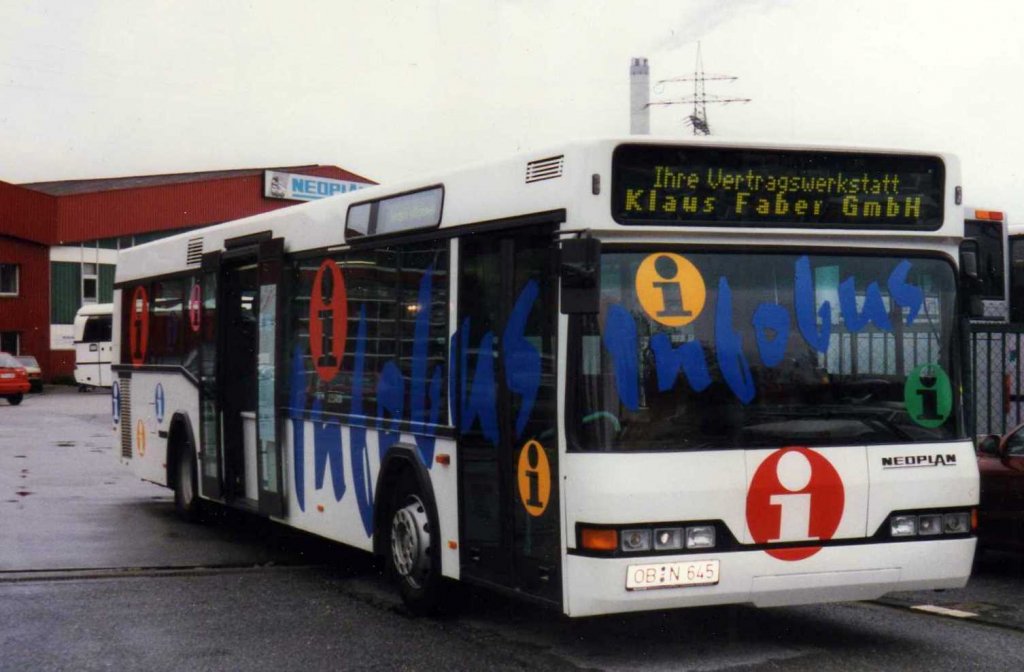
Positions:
(991, 263)
(97, 329)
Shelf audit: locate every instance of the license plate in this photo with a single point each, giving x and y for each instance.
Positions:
(672, 575)
(6, 376)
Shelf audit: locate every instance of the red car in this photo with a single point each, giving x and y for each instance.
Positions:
(1001, 512)
(13, 379)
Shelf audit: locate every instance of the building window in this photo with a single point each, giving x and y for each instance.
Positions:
(10, 342)
(8, 279)
(90, 283)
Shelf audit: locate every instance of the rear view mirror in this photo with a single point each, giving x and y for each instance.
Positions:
(581, 276)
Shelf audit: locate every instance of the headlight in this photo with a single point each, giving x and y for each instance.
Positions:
(700, 536)
(634, 541)
(956, 523)
(668, 539)
(930, 523)
(903, 526)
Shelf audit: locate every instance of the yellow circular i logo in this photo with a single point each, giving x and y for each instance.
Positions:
(670, 289)
(140, 437)
(534, 476)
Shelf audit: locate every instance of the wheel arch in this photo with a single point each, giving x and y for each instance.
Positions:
(402, 462)
(179, 435)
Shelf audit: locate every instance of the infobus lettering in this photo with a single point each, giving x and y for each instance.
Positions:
(771, 323)
(478, 402)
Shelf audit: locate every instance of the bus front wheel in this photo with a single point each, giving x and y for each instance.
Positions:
(413, 555)
(186, 494)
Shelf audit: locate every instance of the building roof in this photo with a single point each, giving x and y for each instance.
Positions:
(90, 186)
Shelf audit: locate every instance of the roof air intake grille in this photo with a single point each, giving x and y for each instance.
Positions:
(195, 251)
(544, 169)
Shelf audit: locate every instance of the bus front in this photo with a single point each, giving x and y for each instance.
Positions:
(765, 392)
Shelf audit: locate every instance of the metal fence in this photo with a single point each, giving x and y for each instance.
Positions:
(994, 380)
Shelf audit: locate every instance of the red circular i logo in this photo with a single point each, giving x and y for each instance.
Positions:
(328, 320)
(195, 304)
(138, 326)
(796, 495)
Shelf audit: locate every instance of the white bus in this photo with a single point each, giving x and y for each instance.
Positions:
(621, 375)
(94, 345)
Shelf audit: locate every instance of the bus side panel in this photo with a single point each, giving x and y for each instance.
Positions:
(331, 479)
(155, 398)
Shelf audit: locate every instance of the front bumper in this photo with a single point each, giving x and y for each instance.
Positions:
(834, 574)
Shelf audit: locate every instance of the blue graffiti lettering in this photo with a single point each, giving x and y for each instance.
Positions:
(620, 338)
(479, 400)
(903, 293)
(771, 331)
(361, 479)
(874, 307)
(772, 326)
(803, 290)
(688, 356)
(327, 448)
(522, 359)
(390, 398)
(296, 408)
(729, 348)
(423, 390)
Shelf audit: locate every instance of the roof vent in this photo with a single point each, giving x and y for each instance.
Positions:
(544, 169)
(195, 251)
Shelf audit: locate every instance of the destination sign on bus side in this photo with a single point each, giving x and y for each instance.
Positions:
(708, 186)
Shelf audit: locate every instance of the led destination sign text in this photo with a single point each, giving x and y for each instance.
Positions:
(715, 186)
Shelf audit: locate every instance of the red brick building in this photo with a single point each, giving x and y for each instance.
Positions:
(59, 240)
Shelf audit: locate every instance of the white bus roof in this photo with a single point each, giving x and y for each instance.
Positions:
(493, 191)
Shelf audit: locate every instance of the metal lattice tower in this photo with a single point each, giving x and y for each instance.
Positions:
(698, 119)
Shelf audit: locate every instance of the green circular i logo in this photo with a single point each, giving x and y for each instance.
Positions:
(928, 395)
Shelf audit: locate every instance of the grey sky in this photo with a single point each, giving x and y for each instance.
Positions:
(391, 89)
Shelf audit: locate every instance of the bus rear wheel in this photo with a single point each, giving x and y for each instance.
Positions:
(413, 555)
(186, 494)
(14, 399)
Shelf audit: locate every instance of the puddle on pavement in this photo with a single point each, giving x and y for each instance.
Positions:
(67, 444)
(22, 493)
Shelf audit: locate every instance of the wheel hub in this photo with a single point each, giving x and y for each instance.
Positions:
(410, 541)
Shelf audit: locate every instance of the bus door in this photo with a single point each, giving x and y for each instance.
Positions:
(245, 387)
(505, 406)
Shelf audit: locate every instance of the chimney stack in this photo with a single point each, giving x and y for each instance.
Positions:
(639, 97)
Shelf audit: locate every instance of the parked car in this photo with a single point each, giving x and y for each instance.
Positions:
(13, 379)
(1001, 511)
(35, 373)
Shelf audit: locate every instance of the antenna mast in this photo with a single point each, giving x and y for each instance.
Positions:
(698, 119)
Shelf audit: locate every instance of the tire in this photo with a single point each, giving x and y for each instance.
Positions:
(15, 399)
(186, 490)
(413, 554)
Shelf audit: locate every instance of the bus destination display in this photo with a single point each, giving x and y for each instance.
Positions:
(711, 186)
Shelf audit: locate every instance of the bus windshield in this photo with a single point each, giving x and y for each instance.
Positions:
(722, 349)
